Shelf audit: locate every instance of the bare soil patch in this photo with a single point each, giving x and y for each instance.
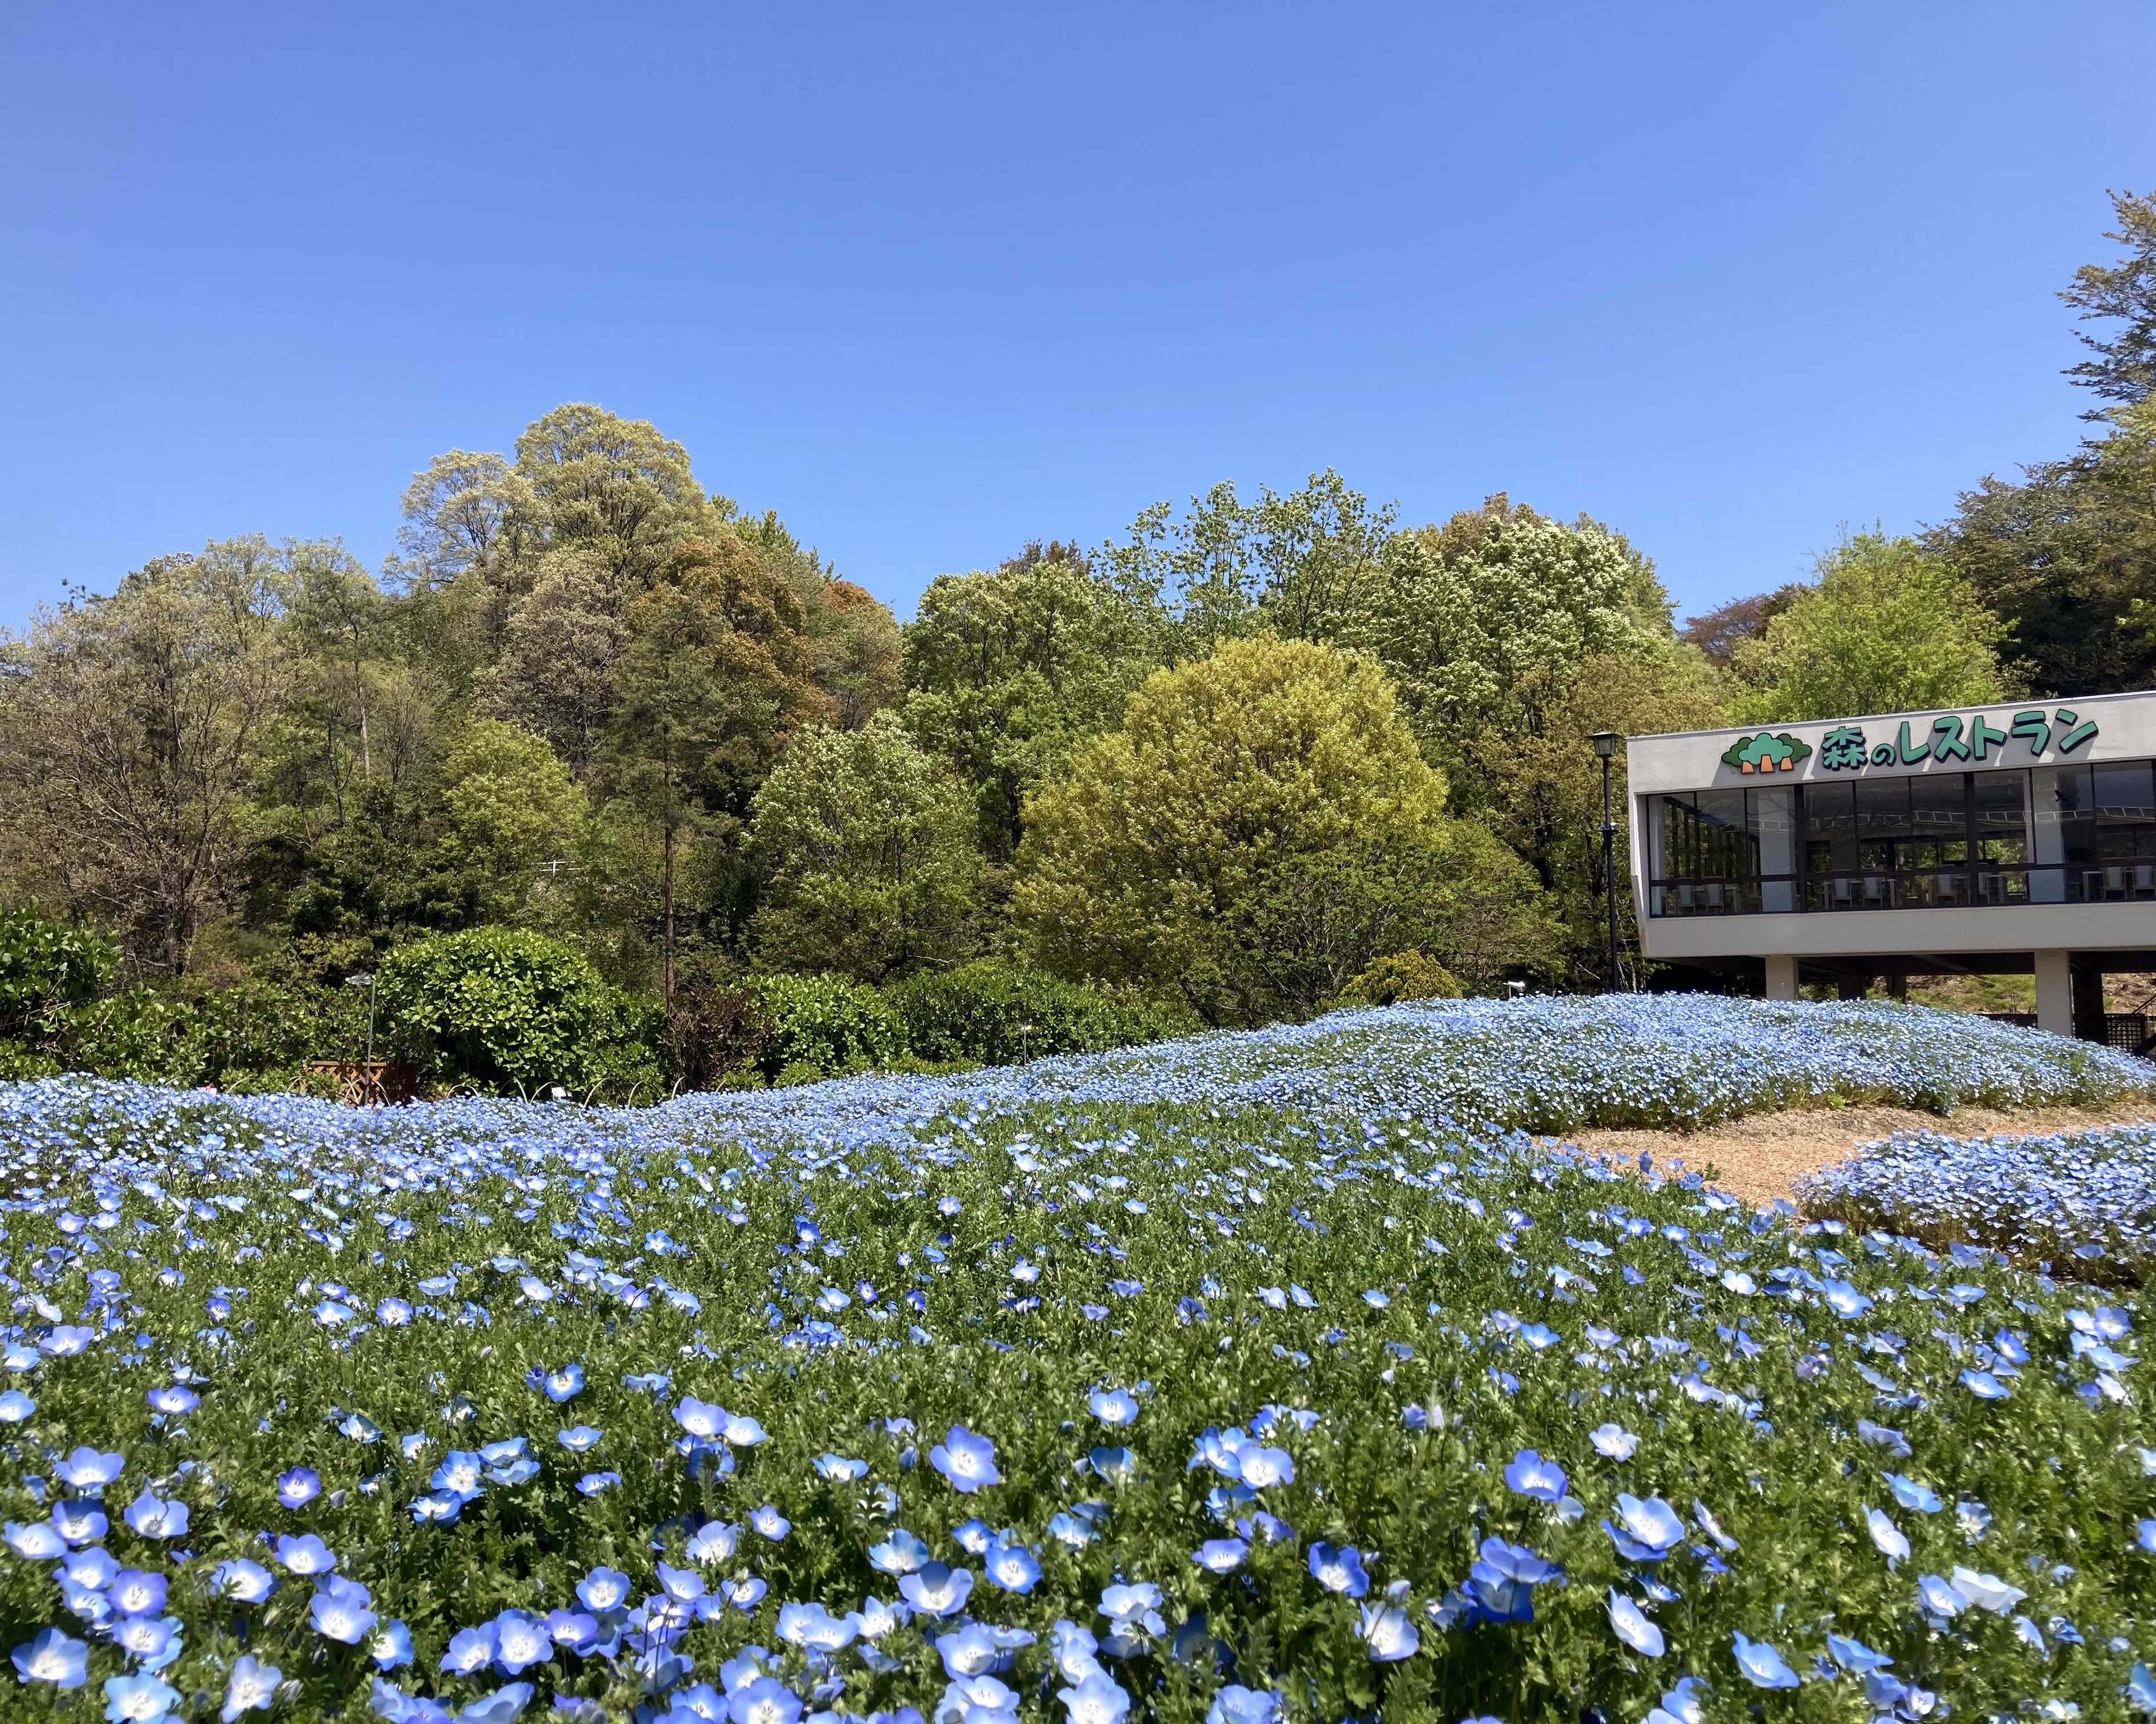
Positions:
(1761, 1157)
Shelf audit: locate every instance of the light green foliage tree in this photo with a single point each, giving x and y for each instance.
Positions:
(1007, 670)
(130, 730)
(866, 847)
(1886, 628)
(511, 814)
(613, 486)
(1485, 622)
(1297, 565)
(1260, 828)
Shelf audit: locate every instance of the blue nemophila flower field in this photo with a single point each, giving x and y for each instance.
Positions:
(2079, 1200)
(1246, 1379)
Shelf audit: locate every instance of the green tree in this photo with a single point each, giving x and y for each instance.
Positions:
(1887, 627)
(131, 729)
(612, 485)
(713, 682)
(1297, 565)
(510, 813)
(865, 843)
(1260, 828)
(2124, 294)
(1007, 670)
(1485, 622)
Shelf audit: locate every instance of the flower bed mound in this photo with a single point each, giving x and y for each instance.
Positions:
(1265, 1389)
(2082, 1202)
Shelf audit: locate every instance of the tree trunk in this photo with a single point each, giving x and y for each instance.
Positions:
(666, 911)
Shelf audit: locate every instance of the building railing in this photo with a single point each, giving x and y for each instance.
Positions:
(1953, 886)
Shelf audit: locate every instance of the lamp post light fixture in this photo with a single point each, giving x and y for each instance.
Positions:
(365, 979)
(1605, 746)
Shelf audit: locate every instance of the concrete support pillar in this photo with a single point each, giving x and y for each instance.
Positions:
(1781, 975)
(2054, 993)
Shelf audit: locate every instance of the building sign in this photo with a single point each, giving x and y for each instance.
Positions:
(1950, 740)
(1766, 753)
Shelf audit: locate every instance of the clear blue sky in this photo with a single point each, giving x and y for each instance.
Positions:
(934, 281)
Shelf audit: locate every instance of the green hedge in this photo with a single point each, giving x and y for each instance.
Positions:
(994, 1013)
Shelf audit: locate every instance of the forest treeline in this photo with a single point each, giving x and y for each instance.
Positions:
(596, 749)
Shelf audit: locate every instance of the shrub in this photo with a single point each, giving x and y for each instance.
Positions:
(1409, 975)
(506, 1011)
(994, 1012)
(46, 965)
(713, 1033)
(823, 1026)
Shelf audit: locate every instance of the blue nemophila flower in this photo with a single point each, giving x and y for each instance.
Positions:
(1388, 1632)
(94, 1570)
(935, 1589)
(134, 1593)
(1854, 1656)
(34, 1542)
(970, 1650)
(461, 1473)
(243, 1582)
(1114, 1406)
(1761, 1665)
(1983, 1385)
(520, 1640)
(563, 1383)
(306, 1555)
(153, 1641)
(1614, 1441)
(1912, 1496)
(299, 1487)
(1502, 1582)
(700, 1418)
(156, 1517)
(973, 1536)
(252, 1687)
(1097, 1699)
(1632, 1626)
(967, 1459)
(1259, 1465)
(1530, 1476)
(578, 1438)
(1011, 1565)
(902, 1553)
(341, 1610)
(1338, 1570)
(1236, 1705)
(1652, 1529)
(174, 1399)
(88, 1471)
(138, 1700)
(1987, 1590)
(470, 1649)
(393, 1313)
(391, 1646)
(766, 1701)
(1219, 1555)
(1892, 1542)
(592, 1484)
(840, 1469)
(573, 1630)
(603, 1589)
(714, 1542)
(1133, 1617)
(15, 1407)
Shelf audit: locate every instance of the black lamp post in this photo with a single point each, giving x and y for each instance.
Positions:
(1605, 745)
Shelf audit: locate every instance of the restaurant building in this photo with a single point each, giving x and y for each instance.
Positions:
(1990, 840)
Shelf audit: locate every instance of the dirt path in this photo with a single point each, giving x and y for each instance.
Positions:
(1762, 1157)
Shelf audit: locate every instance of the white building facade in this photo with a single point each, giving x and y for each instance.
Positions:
(1987, 840)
